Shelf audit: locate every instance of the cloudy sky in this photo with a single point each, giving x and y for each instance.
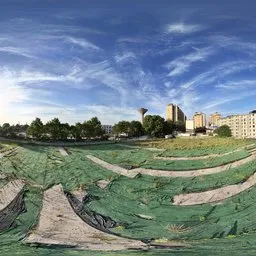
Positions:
(78, 59)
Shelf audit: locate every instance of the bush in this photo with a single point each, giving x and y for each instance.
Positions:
(224, 131)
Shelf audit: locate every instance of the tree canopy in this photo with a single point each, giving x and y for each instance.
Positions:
(224, 131)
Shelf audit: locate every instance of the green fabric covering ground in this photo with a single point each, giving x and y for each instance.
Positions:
(227, 228)
(46, 166)
(145, 158)
(234, 217)
(199, 151)
(195, 164)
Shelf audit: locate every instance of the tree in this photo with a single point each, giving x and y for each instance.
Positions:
(122, 127)
(96, 127)
(136, 128)
(53, 127)
(154, 125)
(180, 126)
(36, 129)
(224, 131)
(76, 131)
(200, 130)
(64, 131)
(169, 127)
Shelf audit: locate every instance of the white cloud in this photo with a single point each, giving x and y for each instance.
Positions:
(236, 85)
(220, 71)
(183, 63)
(82, 43)
(16, 51)
(234, 43)
(182, 28)
(127, 56)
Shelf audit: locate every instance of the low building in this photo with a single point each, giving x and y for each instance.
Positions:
(242, 125)
(189, 125)
(107, 128)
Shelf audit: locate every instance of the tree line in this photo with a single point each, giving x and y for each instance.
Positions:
(54, 130)
(153, 125)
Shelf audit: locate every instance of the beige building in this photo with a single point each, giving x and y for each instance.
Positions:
(199, 120)
(214, 118)
(190, 125)
(174, 113)
(242, 126)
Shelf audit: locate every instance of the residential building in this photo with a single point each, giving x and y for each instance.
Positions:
(174, 113)
(199, 120)
(214, 118)
(189, 125)
(241, 125)
(107, 128)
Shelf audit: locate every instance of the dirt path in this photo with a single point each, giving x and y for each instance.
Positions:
(160, 173)
(215, 195)
(111, 167)
(59, 225)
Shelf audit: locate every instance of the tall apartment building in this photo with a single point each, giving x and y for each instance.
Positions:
(214, 118)
(242, 126)
(174, 113)
(199, 120)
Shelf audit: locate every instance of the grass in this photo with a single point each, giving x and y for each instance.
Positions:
(196, 143)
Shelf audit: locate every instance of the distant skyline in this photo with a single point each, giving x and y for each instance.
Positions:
(78, 59)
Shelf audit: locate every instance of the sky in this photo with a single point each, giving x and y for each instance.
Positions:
(106, 58)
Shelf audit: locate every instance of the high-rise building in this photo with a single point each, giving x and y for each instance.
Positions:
(242, 126)
(174, 113)
(214, 118)
(199, 120)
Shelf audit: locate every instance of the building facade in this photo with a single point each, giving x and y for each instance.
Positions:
(242, 126)
(107, 128)
(174, 113)
(214, 118)
(189, 125)
(199, 120)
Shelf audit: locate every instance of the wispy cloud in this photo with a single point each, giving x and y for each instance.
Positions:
(220, 71)
(182, 28)
(82, 43)
(16, 51)
(237, 85)
(183, 63)
(227, 99)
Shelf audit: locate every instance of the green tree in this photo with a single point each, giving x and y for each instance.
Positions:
(53, 127)
(36, 129)
(169, 127)
(76, 131)
(122, 127)
(64, 131)
(224, 131)
(154, 125)
(92, 128)
(136, 128)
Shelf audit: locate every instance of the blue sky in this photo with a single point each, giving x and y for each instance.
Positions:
(79, 59)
